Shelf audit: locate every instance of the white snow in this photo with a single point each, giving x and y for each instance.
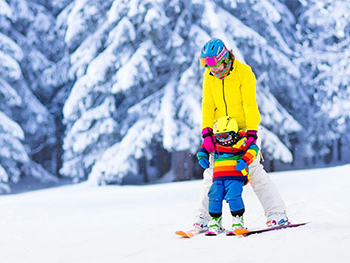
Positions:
(10, 47)
(268, 11)
(121, 224)
(11, 96)
(77, 19)
(108, 167)
(5, 10)
(9, 67)
(130, 73)
(167, 110)
(275, 148)
(11, 128)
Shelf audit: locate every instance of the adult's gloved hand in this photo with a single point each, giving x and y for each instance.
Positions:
(251, 136)
(241, 165)
(208, 139)
(204, 162)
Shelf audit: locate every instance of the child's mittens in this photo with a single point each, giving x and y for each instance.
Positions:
(204, 162)
(241, 165)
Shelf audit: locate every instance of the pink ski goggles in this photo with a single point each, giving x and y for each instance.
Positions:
(212, 62)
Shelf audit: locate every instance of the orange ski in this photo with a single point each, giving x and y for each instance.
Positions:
(246, 232)
(187, 234)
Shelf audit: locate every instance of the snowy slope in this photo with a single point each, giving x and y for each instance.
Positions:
(121, 224)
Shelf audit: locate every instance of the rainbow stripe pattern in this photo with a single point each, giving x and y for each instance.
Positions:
(226, 158)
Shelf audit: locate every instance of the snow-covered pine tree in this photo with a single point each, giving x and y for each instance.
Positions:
(257, 34)
(324, 31)
(27, 128)
(131, 74)
(135, 107)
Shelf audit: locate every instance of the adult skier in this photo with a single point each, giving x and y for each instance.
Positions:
(229, 90)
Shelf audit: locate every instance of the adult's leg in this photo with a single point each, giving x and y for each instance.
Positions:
(201, 210)
(264, 188)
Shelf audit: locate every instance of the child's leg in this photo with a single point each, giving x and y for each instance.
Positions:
(238, 213)
(216, 196)
(233, 196)
(234, 189)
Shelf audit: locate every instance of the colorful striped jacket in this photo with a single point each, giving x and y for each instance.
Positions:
(226, 158)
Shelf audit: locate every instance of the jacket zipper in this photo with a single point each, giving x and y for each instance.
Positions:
(223, 94)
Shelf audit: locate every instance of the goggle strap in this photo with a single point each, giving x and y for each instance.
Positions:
(218, 59)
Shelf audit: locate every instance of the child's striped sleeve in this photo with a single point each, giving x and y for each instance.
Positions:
(251, 153)
(202, 153)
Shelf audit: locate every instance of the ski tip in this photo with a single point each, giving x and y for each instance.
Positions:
(186, 234)
(305, 223)
(240, 231)
(182, 234)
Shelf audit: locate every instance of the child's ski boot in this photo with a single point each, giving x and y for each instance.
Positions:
(237, 222)
(215, 227)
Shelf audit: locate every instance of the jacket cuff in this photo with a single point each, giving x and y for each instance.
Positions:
(246, 159)
(206, 132)
(252, 133)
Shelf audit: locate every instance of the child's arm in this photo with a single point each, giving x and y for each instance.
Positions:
(203, 157)
(251, 153)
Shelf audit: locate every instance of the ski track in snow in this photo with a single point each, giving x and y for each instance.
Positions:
(80, 223)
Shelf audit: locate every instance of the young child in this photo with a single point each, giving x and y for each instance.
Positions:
(231, 159)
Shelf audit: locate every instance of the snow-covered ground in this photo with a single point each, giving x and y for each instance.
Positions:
(120, 224)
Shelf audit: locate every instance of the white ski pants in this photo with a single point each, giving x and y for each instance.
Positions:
(264, 188)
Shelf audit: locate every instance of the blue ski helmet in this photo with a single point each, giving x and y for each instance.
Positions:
(213, 53)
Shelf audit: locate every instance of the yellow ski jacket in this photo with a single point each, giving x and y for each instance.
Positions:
(233, 96)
